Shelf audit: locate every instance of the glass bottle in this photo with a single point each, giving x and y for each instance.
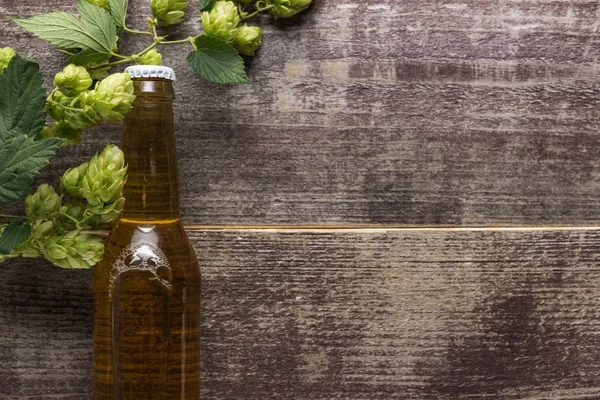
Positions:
(147, 286)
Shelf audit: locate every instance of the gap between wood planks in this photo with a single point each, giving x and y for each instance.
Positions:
(371, 228)
(382, 228)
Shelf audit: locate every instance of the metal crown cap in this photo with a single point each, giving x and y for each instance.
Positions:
(151, 71)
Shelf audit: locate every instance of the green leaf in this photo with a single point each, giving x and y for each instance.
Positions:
(206, 5)
(88, 57)
(99, 24)
(22, 99)
(217, 61)
(14, 234)
(118, 10)
(95, 30)
(21, 160)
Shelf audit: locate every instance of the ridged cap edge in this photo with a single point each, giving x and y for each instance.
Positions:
(151, 71)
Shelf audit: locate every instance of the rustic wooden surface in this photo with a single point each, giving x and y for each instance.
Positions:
(386, 112)
(350, 314)
(371, 112)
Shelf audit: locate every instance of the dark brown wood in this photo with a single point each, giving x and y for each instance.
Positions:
(385, 112)
(378, 314)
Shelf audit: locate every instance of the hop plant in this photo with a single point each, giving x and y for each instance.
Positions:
(221, 22)
(73, 250)
(72, 80)
(247, 39)
(152, 57)
(56, 104)
(101, 3)
(32, 247)
(288, 8)
(111, 99)
(6, 54)
(105, 177)
(63, 130)
(44, 203)
(168, 12)
(71, 213)
(71, 183)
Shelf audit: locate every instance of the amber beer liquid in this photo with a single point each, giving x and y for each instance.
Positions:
(147, 286)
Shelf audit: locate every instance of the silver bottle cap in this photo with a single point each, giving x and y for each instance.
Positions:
(151, 71)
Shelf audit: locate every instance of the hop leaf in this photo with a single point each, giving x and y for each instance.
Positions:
(247, 39)
(6, 54)
(71, 183)
(105, 177)
(221, 21)
(288, 8)
(168, 12)
(73, 250)
(43, 204)
(72, 80)
(152, 57)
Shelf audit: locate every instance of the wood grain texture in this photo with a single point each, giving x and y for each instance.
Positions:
(376, 314)
(386, 112)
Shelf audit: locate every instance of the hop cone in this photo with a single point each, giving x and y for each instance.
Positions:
(72, 80)
(74, 209)
(221, 22)
(44, 203)
(247, 39)
(111, 99)
(151, 57)
(73, 250)
(6, 54)
(101, 3)
(288, 8)
(105, 177)
(168, 12)
(63, 130)
(55, 110)
(71, 182)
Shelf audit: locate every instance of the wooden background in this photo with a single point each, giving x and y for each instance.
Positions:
(474, 122)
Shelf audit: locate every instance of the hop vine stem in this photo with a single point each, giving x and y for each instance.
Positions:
(22, 217)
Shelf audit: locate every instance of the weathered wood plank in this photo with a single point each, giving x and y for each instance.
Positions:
(396, 314)
(387, 112)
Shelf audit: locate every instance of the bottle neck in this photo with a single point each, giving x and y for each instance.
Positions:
(152, 189)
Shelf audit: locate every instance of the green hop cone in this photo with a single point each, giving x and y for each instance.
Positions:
(152, 57)
(221, 22)
(101, 3)
(168, 12)
(73, 250)
(72, 210)
(6, 54)
(111, 99)
(247, 39)
(103, 216)
(44, 203)
(40, 230)
(71, 183)
(72, 80)
(63, 130)
(56, 103)
(105, 177)
(288, 8)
